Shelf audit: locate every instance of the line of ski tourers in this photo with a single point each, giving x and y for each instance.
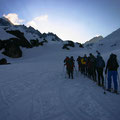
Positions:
(93, 68)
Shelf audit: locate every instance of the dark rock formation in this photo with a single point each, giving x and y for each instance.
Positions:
(69, 44)
(22, 40)
(3, 61)
(34, 43)
(12, 50)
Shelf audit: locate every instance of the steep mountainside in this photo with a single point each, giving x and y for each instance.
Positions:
(93, 40)
(5, 22)
(110, 42)
(107, 44)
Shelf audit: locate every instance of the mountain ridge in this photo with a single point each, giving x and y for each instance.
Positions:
(21, 34)
(5, 22)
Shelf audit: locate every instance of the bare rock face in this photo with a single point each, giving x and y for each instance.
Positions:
(5, 22)
(11, 50)
(3, 61)
(22, 40)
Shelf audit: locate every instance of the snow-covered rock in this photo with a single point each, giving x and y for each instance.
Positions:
(5, 22)
(93, 41)
(4, 35)
(110, 42)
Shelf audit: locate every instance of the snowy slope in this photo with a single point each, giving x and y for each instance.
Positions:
(32, 34)
(93, 40)
(29, 32)
(4, 35)
(28, 35)
(34, 87)
(34, 37)
(110, 43)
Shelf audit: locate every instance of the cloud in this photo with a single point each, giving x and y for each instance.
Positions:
(13, 17)
(41, 23)
(32, 23)
(98, 35)
(41, 18)
(64, 29)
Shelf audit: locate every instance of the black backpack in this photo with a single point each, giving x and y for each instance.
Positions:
(71, 63)
(112, 63)
(100, 63)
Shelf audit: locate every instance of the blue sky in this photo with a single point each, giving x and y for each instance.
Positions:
(77, 20)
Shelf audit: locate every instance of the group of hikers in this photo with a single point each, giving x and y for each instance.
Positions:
(93, 68)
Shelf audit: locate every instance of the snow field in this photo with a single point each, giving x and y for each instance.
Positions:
(35, 88)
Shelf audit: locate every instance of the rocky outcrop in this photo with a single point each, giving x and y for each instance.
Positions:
(12, 50)
(68, 44)
(22, 40)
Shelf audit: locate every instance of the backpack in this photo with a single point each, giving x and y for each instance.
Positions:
(100, 63)
(112, 64)
(93, 61)
(70, 63)
(85, 59)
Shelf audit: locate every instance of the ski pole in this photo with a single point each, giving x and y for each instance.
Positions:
(65, 71)
(105, 84)
(62, 71)
(118, 79)
(63, 68)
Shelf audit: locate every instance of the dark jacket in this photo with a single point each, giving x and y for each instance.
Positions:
(112, 64)
(100, 62)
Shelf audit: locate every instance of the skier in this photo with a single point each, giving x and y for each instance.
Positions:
(71, 67)
(92, 66)
(100, 64)
(86, 60)
(66, 60)
(84, 63)
(111, 68)
(79, 63)
(66, 63)
(98, 53)
(89, 65)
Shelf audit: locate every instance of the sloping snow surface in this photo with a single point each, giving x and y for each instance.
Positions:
(35, 87)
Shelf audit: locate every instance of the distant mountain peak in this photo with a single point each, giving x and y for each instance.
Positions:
(5, 22)
(94, 39)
